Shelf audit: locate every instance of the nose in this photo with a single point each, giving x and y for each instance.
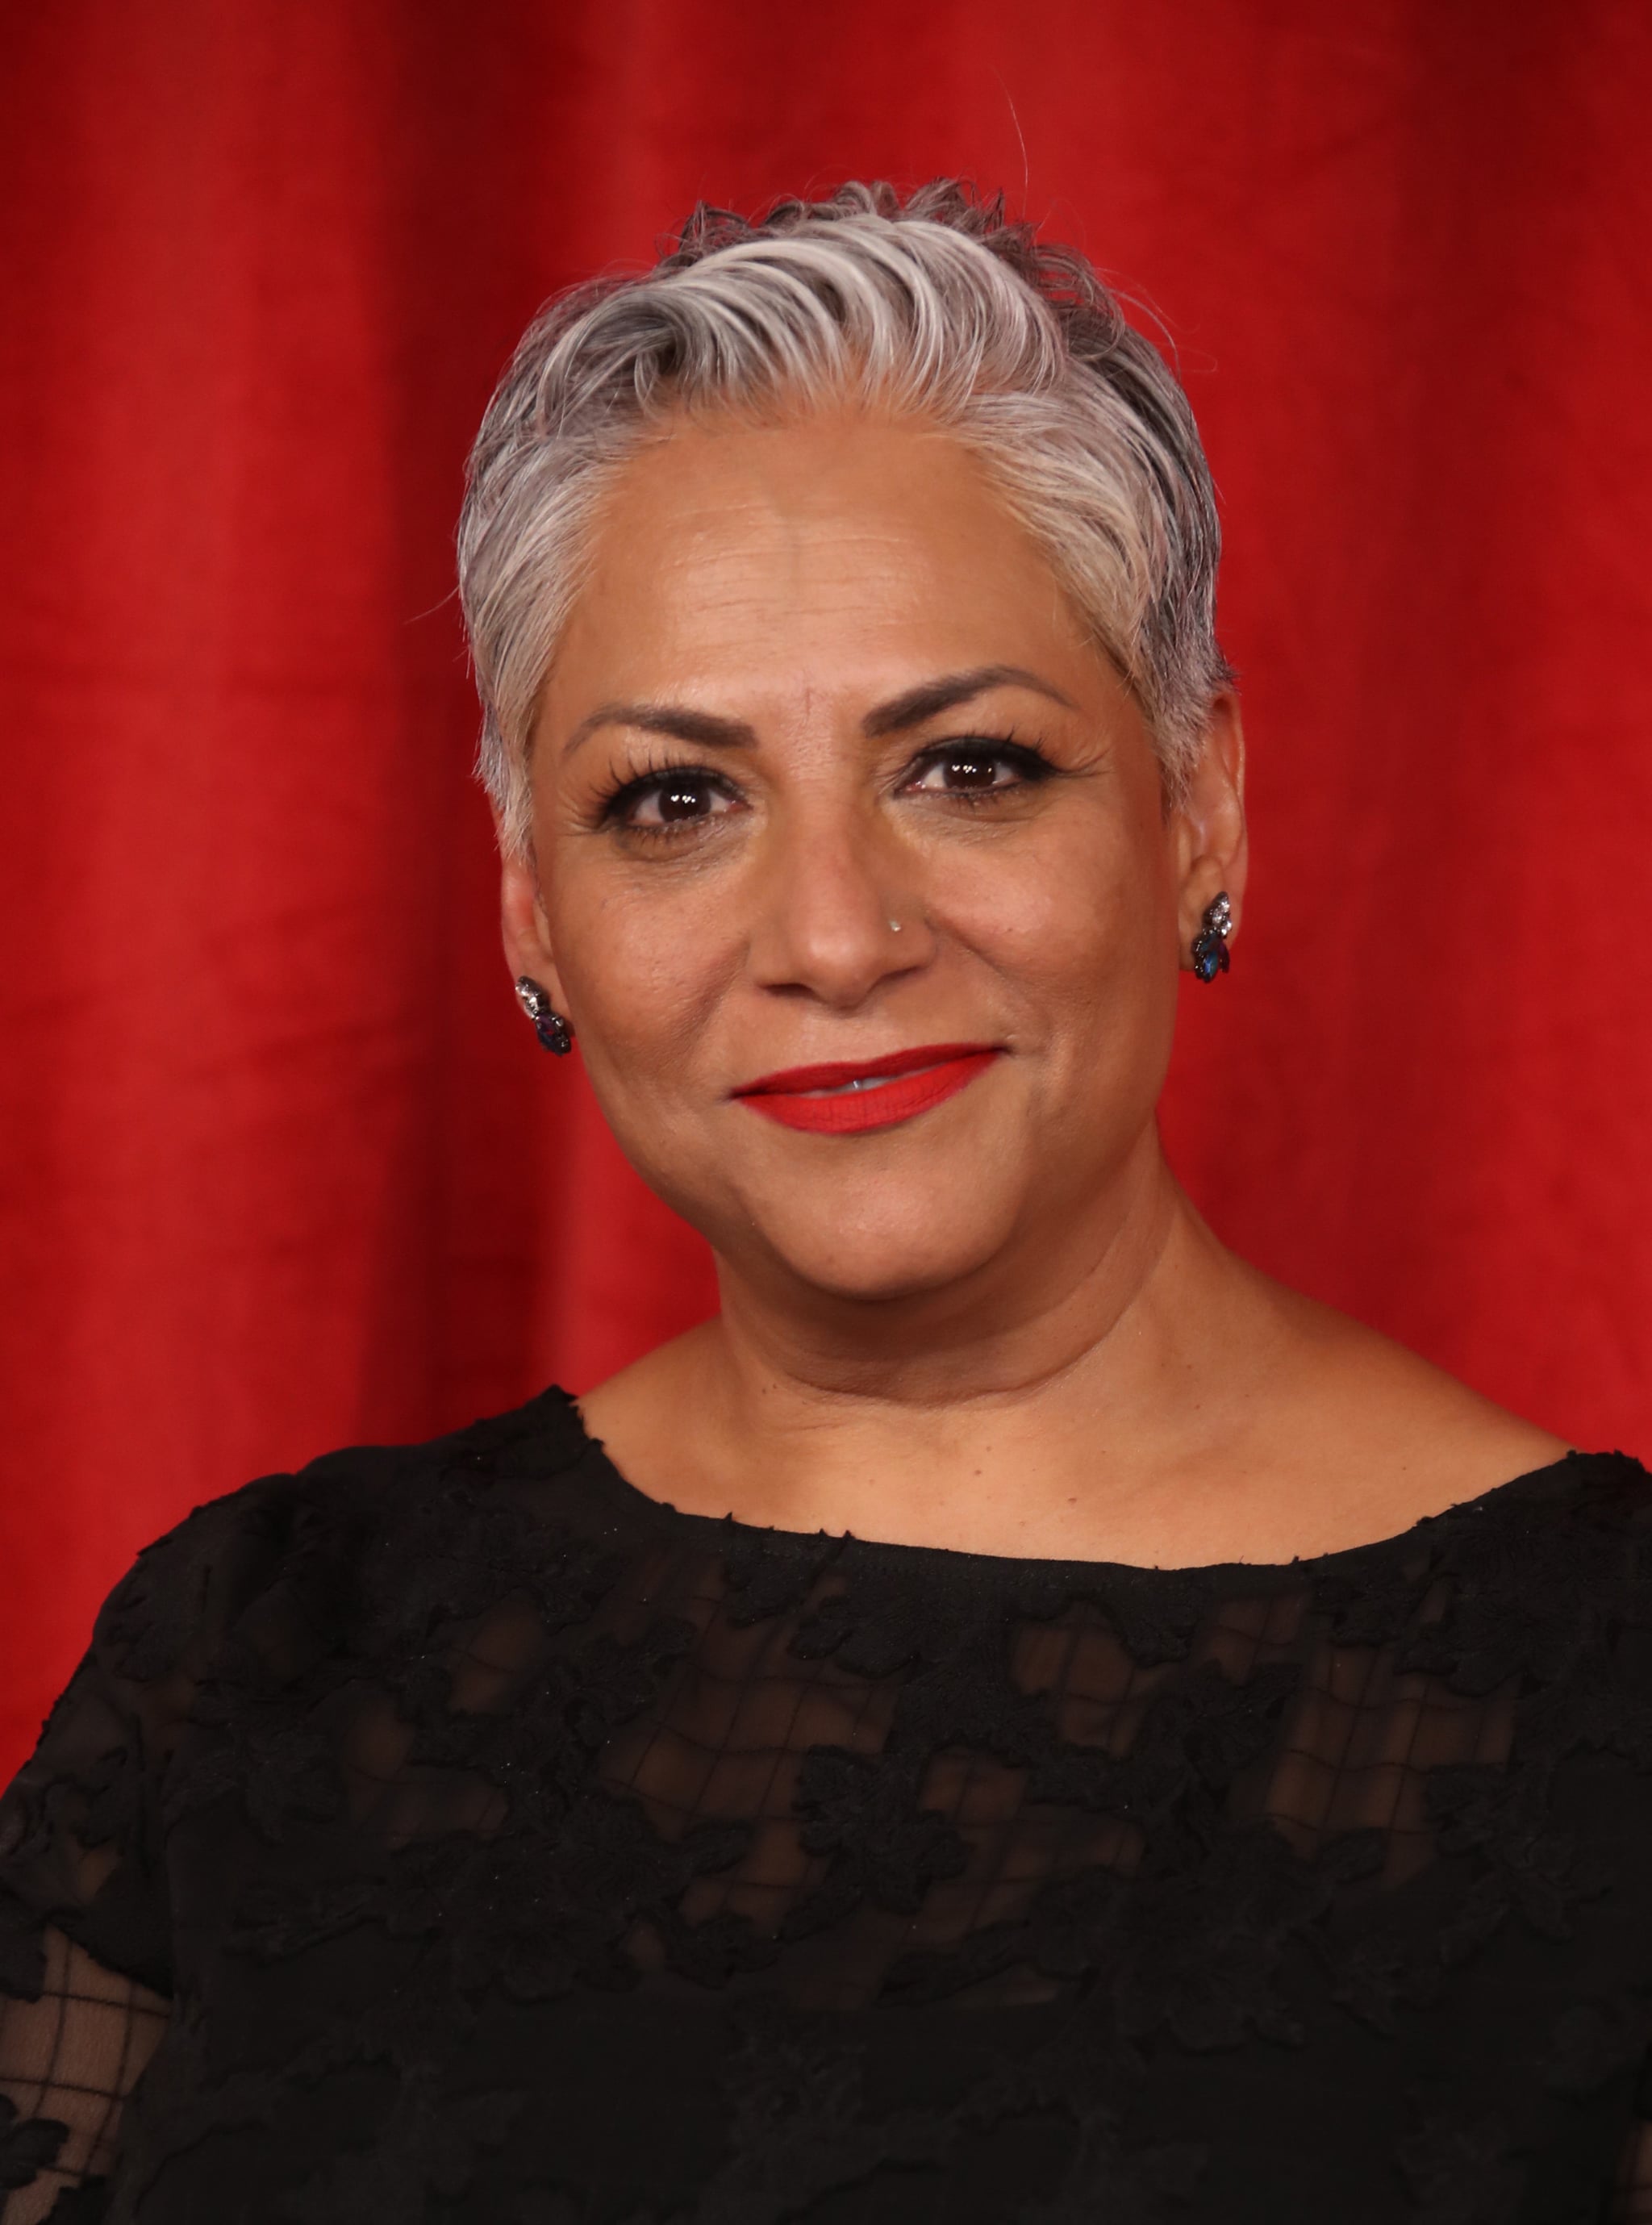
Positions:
(838, 912)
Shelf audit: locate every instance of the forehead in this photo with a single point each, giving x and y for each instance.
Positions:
(854, 547)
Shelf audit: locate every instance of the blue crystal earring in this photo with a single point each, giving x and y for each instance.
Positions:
(1210, 944)
(553, 1032)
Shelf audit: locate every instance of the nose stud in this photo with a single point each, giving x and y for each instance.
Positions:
(894, 927)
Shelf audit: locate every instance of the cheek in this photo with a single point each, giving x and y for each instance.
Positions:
(1084, 923)
(642, 963)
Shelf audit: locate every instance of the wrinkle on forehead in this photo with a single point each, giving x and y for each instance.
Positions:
(840, 559)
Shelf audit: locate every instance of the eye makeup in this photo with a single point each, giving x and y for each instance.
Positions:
(665, 798)
(676, 787)
(974, 753)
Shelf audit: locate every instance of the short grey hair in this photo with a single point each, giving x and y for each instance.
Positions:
(934, 305)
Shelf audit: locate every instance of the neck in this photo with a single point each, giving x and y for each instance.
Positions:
(1004, 1332)
(875, 1416)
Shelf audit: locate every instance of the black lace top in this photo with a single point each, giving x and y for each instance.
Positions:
(481, 1840)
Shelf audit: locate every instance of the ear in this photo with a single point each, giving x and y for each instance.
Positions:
(524, 928)
(1210, 847)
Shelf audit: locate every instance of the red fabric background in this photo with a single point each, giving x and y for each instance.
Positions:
(282, 1166)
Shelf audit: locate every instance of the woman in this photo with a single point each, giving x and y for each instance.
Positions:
(1019, 1718)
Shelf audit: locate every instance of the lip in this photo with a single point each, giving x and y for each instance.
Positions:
(897, 1086)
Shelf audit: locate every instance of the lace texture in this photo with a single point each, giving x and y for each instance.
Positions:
(452, 1833)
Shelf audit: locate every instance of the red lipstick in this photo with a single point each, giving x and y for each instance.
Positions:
(851, 1097)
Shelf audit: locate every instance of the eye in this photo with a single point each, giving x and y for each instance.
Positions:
(971, 769)
(677, 797)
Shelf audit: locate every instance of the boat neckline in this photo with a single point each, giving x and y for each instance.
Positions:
(731, 1525)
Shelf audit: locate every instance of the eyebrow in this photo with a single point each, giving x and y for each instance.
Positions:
(930, 697)
(702, 727)
(912, 708)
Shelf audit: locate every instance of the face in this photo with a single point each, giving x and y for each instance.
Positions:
(851, 863)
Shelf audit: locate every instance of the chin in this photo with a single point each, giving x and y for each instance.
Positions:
(856, 1228)
(911, 1248)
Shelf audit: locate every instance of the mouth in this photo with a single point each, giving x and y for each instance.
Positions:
(850, 1098)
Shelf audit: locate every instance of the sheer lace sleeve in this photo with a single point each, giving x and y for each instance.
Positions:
(68, 2059)
(85, 1950)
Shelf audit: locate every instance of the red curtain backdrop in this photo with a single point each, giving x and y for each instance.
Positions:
(283, 1168)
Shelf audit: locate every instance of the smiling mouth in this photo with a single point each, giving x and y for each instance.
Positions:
(849, 1098)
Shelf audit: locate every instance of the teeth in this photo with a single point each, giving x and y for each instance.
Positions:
(866, 1081)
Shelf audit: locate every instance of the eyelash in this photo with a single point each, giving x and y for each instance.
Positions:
(1029, 763)
(611, 805)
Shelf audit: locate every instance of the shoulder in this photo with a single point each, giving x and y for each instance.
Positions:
(212, 1660)
(1606, 1493)
(308, 1542)
(1379, 1438)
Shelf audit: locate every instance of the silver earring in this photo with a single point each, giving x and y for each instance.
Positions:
(555, 1033)
(1209, 954)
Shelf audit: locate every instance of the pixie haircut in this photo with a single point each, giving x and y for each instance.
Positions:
(935, 307)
